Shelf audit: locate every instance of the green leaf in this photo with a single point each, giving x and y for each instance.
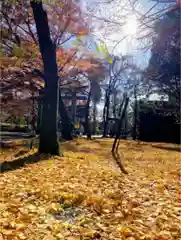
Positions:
(75, 43)
(109, 60)
(97, 48)
(103, 49)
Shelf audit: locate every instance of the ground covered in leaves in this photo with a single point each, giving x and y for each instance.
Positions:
(84, 195)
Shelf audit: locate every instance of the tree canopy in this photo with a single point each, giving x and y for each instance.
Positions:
(164, 64)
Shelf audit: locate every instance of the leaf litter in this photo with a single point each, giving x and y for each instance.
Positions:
(83, 195)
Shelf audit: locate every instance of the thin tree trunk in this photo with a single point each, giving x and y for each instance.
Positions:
(135, 121)
(120, 107)
(114, 106)
(119, 114)
(67, 126)
(74, 107)
(87, 122)
(39, 116)
(106, 120)
(94, 118)
(104, 115)
(48, 132)
(124, 124)
(115, 145)
(135, 115)
(120, 123)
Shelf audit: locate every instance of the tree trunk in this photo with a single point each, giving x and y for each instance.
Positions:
(67, 126)
(114, 105)
(125, 126)
(48, 131)
(74, 107)
(135, 115)
(118, 132)
(104, 118)
(33, 115)
(135, 121)
(106, 113)
(94, 118)
(119, 113)
(87, 121)
(39, 116)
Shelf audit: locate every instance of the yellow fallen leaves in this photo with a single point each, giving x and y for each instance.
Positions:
(125, 231)
(21, 236)
(54, 207)
(71, 199)
(84, 196)
(1, 236)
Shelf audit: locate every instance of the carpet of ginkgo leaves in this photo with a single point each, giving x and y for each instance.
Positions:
(84, 195)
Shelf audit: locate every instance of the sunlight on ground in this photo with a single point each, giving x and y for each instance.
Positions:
(83, 195)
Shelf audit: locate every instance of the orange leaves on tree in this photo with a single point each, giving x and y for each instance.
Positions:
(66, 17)
(82, 32)
(65, 20)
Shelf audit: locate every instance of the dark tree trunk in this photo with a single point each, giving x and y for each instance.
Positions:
(94, 118)
(114, 106)
(135, 120)
(87, 121)
(33, 115)
(104, 118)
(39, 116)
(124, 128)
(74, 107)
(118, 132)
(106, 113)
(135, 115)
(120, 110)
(121, 106)
(48, 131)
(67, 126)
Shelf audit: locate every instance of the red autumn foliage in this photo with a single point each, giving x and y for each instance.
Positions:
(20, 53)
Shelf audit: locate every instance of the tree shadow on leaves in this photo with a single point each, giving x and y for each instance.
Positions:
(176, 149)
(20, 162)
(70, 147)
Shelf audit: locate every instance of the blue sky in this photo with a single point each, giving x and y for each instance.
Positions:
(129, 45)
